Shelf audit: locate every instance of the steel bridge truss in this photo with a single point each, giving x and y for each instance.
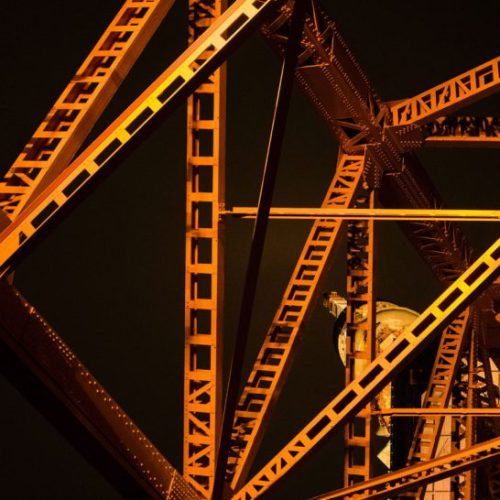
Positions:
(377, 143)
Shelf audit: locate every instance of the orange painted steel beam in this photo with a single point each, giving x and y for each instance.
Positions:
(45, 370)
(335, 84)
(424, 412)
(276, 354)
(378, 214)
(76, 110)
(205, 159)
(256, 251)
(463, 89)
(437, 396)
(405, 479)
(349, 401)
(181, 78)
(463, 131)
(488, 398)
(361, 342)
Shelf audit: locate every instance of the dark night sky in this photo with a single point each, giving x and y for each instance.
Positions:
(109, 277)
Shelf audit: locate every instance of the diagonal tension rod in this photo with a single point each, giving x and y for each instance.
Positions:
(276, 136)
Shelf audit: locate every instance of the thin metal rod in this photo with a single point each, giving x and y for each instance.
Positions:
(256, 249)
(423, 412)
(382, 214)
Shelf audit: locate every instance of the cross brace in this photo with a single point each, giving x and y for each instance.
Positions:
(410, 477)
(349, 401)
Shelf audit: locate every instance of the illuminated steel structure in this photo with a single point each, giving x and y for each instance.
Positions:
(377, 158)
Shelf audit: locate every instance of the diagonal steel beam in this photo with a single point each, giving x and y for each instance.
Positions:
(270, 172)
(45, 370)
(471, 86)
(275, 357)
(357, 394)
(67, 124)
(177, 81)
(338, 89)
(408, 478)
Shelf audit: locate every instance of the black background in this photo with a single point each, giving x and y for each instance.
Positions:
(109, 277)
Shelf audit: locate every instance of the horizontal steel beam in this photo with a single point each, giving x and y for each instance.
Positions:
(424, 412)
(382, 214)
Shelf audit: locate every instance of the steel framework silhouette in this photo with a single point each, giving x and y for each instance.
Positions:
(377, 164)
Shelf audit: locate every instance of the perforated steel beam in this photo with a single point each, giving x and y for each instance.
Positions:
(74, 113)
(462, 131)
(349, 401)
(410, 477)
(181, 78)
(438, 393)
(360, 337)
(206, 130)
(45, 370)
(463, 89)
(276, 354)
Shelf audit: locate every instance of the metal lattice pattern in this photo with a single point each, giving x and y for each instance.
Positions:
(360, 338)
(344, 406)
(204, 256)
(275, 355)
(74, 113)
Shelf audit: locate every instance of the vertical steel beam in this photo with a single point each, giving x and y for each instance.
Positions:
(472, 393)
(471, 437)
(206, 128)
(360, 337)
(488, 398)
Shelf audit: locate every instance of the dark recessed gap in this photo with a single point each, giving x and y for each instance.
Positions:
(139, 120)
(200, 357)
(203, 179)
(476, 274)
(108, 151)
(44, 214)
(205, 106)
(202, 215)
(237, 24)
(344, 401)
(423, 324)
(370, 377)
(202, 250)
(450, 299)
(202, 321)
(169, 91)
(318, 427)
(397, 350)
(76, 183)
